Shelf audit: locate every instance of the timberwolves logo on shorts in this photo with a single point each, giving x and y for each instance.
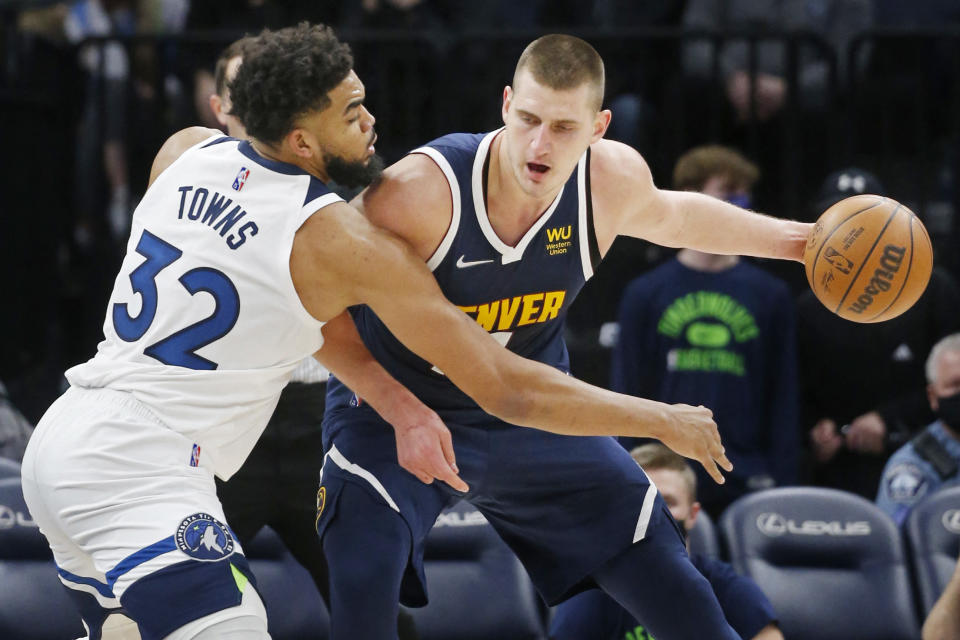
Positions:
(203, 537)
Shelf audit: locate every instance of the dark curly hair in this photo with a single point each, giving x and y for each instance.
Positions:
(285, 74)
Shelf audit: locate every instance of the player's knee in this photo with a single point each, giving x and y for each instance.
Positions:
(246, 621)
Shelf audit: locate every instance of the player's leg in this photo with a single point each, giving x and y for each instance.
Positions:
(130, 520)
(579, 510)
(367, 546)
(247, 621)
(656, 582)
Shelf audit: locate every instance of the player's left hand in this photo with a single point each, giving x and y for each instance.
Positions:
(424, 444)
(867, 433)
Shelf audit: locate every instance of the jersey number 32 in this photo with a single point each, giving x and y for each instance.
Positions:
(178, 349)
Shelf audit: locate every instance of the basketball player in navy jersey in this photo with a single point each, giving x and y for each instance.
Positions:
(512, 223)
(238, 255)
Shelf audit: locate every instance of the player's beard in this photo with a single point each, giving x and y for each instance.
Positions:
(353, 173)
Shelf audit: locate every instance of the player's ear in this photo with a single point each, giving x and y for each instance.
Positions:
(216, 105)
(507, 99)
(301, 142)
(600, 124)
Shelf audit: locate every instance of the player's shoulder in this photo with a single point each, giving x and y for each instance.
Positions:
(613, 162)
(457, 142)
(177, 144)
(413, 199)
(618, 176)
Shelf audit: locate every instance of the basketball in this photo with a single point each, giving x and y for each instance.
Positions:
(868, 258)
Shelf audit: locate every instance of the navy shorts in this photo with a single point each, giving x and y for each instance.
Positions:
(565, 504)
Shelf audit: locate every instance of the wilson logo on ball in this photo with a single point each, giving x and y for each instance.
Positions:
(882, 277)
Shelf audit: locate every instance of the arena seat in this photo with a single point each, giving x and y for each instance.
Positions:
(832, 563)
(34, 605)
(703, 537)
(933, 540)
(295, 610)
(9, 468)
(477, 587)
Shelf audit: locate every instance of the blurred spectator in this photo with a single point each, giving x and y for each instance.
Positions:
(862, 385)
(103, 129)
(593, 615)
(715, 330)
(836, 20)
(932, 458)
(15, 430)
(943, 621)
(787, 142)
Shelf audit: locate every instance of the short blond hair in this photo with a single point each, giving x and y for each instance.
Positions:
(656, 456)
(561, 62)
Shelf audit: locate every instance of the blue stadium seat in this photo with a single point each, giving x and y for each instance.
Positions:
(831, 562)
(933, 539)
(9, 468)
(34, 605)
(703, 537)
(477, 587)
(295, 610)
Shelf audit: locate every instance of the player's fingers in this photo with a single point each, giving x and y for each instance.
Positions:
(438, 466)
(712, 469)
(447, 475)
(424, 477)
(446, 442)
(724, 461)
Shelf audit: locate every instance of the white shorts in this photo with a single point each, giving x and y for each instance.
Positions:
(120, 497)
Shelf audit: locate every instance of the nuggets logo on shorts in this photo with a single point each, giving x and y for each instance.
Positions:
(321, 502)
(203, 537)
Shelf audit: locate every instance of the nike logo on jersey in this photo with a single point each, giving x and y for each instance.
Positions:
(463, 264)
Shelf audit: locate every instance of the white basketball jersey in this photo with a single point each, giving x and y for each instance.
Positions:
(204, 326)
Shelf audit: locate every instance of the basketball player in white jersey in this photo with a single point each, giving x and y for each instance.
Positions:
(237, 256)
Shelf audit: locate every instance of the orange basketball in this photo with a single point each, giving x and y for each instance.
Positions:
(868, 258)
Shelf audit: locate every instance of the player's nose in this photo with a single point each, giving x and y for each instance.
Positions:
(541, 142)
(367, 118)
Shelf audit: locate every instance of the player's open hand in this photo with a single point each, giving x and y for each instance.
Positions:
(425, 446)
(693, 433)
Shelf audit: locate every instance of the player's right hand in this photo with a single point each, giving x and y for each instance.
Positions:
(693, 433)
(425, 446)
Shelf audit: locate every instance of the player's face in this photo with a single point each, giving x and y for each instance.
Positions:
(675, 493)
(547, 130)
(344, 132)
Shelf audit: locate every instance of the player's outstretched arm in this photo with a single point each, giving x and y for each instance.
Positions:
(340, 259)
(628, 203)
(424, 444)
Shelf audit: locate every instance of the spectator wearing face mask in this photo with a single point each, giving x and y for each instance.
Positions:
(932, 459)
(714, 330)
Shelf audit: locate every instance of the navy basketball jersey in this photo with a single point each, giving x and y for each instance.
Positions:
(519, 294)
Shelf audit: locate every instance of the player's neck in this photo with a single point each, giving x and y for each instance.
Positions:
(711, 262)
(279, 154)
(506, 200)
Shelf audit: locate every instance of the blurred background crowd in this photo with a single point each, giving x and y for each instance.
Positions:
(782, 106)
